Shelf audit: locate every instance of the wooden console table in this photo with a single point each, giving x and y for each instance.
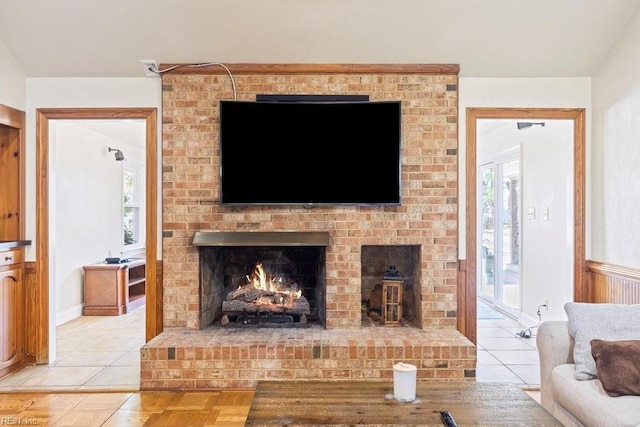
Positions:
(372, 403)
(114, 289)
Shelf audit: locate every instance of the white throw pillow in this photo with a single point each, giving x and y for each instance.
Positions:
(589, 321)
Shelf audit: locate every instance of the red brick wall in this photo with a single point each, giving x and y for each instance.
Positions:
(427, 217)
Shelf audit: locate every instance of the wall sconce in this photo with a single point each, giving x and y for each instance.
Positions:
(119, 155)
(526, 125)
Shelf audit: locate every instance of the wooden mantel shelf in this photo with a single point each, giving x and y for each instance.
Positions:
(216, 68)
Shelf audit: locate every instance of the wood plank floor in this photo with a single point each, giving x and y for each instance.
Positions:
(126, 409)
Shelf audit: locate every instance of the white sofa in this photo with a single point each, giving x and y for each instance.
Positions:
(577, 402)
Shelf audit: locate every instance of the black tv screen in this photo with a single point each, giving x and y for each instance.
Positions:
(310, 153)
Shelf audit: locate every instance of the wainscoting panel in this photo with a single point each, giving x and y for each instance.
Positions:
(613, 284)
(32, 302)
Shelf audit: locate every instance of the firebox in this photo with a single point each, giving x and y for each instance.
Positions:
(262, 279)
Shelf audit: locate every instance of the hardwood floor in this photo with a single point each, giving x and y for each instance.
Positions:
(126, 409)
(95, 382)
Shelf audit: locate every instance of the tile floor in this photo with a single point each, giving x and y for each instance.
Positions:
(102, 353)
(503, 356)
(93, 353)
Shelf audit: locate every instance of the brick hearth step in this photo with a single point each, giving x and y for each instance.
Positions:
(218, 357)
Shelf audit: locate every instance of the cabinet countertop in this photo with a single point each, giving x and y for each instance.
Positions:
(11, 244)
(133, 262)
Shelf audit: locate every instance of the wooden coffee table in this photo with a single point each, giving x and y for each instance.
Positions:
(372, 403)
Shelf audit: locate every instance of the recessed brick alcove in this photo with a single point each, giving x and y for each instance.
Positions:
(361, 241)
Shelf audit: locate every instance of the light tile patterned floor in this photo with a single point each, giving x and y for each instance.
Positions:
(93, 353)
(503, 356)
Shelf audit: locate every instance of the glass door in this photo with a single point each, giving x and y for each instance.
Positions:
(487, 226)
(499, 273)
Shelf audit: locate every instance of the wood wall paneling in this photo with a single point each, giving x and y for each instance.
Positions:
(613, 284)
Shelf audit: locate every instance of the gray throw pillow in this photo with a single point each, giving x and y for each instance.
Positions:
(599, 321)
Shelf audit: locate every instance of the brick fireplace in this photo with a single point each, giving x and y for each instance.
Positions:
(420, 237)
(227, 259)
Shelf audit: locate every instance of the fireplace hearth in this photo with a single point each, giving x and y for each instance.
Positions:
(250, 333)
(274, 343)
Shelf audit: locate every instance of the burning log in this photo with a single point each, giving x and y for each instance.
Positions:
(261, 294)
(248, 293)
(237, 306)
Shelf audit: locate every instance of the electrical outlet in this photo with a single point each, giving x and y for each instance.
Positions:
(546, 303)
(149, 67)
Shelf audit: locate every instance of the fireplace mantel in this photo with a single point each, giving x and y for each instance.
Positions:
(260, 238)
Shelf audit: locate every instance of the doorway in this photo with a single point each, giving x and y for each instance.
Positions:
(41, 311)
(467, 285)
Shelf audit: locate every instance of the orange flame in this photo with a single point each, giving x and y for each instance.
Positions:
(285, 296)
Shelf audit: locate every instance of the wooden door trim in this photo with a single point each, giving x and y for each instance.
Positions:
(467, 287)
(154, 290)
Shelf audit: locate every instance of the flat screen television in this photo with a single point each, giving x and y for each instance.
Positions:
(310, 153)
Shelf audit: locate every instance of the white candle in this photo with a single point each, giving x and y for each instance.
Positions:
(404, 382)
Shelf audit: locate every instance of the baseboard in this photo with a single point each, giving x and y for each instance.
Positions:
(70, 314)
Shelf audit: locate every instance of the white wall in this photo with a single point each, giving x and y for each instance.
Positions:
(84, 93)
(87, 204)
(517, 93)
(616, 152)
(547, 243)
(13, 84)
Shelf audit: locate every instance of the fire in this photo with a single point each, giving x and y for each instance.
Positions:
(260, 297)
(278, 292)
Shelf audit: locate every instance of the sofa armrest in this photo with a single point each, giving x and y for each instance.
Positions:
(555, 347)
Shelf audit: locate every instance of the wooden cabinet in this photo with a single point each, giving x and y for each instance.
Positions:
(12, 294)
(114, 289)
(11, 311)
(12, 176)
(12, 232)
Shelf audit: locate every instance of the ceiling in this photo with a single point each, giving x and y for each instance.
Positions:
(487, 38)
